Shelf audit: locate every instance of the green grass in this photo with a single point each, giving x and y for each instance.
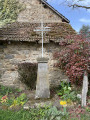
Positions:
(18, 115)
(33, 114)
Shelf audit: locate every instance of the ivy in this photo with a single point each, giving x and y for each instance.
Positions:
(9, 10)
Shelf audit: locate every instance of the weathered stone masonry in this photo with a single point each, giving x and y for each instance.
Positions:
(20, 43)
(14, 53)
(33, 12)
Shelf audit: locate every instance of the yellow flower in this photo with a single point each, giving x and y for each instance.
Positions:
(11, 106)
(15, 102)
(2, 101)
(22, 103)
(63, 102)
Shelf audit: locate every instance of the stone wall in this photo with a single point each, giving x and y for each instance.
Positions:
(16, 52)
(33, 12)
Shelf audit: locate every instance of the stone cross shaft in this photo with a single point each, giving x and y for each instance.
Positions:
(42, 29)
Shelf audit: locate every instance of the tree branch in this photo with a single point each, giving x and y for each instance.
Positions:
(76, 5)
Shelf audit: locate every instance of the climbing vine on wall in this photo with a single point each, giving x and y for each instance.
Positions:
(9, 10)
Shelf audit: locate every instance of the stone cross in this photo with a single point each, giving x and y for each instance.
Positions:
(84, 89)
(42, 85)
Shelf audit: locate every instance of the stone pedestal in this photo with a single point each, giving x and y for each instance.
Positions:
(42, 86)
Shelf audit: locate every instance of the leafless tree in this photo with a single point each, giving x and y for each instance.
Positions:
(78, 4)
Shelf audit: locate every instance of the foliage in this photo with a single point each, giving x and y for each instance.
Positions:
(28, 74)
(85, 117)
(69, 96)
(85, 31)
(38, 113)
(4, 90)
(54, 114)
(12, 101)
(66, 93)
(74, 57)
(30, 115)
(9, 10)
(18, 115)
(64, 88)
(46, 113)
(88, 109)
(21, 100)
(3, 99)
(9, 100)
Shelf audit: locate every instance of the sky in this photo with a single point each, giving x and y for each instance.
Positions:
(77, 16)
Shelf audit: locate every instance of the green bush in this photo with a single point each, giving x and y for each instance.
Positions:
(28, 74)
(65, 92)
(64, 88)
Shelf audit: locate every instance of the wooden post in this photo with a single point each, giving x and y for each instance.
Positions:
(84, 89)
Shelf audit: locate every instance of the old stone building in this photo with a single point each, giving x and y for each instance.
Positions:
(20, 43)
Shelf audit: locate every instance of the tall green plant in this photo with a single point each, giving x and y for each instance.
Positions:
(64, 88)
